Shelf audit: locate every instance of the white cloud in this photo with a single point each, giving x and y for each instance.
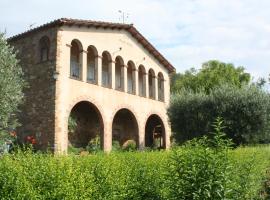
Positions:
(187, 32)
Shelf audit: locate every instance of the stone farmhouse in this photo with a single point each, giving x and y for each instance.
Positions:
(107, 76)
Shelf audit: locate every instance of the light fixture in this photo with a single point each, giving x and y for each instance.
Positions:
(55, 75)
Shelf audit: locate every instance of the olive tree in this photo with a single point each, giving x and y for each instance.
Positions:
(11, 86)
(245, 111)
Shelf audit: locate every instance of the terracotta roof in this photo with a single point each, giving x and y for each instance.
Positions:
(106, 25)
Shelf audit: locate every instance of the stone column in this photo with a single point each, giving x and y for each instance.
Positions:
(141, 135)
(107, 135)
(112, 74)
(135, 77)
(84, 66)
(99, 70)
(146, 85)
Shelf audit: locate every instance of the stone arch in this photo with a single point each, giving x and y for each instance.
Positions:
(92, 64)
(106, 69)
(142, 81)
(89, 124)
(119, 73)
(131, 82)
(151, 83)
(125, 127)
(76, 59)
(160, 86)
(155, 131)
(87, 98)
(44, 49)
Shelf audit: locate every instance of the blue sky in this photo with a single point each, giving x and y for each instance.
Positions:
(186, 32)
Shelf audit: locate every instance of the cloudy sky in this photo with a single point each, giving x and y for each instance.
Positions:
(186, 32)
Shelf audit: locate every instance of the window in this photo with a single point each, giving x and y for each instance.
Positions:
(119, 73)
(75, 60)
(106, 67)
(141, 81)
(151, 83)
(130, 77)
(160, 87)
(44, 48)
(91, 64)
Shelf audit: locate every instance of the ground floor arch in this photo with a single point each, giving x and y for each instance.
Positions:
(85, 123)
(125, 127)
(155, 136)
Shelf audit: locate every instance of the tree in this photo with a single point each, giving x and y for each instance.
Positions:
(245, 112)
(11, 86)
(213, 73)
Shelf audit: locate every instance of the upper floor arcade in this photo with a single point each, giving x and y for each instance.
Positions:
(99, 67)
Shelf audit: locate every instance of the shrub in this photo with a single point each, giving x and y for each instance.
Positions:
(129, 145)
(201, 169)
(198, 170)
(245, 112)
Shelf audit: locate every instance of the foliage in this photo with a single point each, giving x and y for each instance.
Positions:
(199, 169)
(94, 145)
(213, 172)
(212, 74)
(72, 124)
(11, 86)
(245, 112)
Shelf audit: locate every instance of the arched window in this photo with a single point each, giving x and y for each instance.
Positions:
(151, 83)
(160, 87)
(75, 59)
(131, 77)
(119, 73)
(91, 64)
(106, 68)
(44, 48)
(141, 79)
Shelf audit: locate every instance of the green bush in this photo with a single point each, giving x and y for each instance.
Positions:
(194, 171)
(245, 112)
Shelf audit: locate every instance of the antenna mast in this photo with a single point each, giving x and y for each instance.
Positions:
(123, 16)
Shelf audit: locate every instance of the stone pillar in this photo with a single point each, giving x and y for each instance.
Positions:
(141, 135)
(107, 135)
(84, 66)
(155, 88)
(168, 134)
(146, 85)
(99, 70)
(135, 77)
(124, 72)
(112, 74)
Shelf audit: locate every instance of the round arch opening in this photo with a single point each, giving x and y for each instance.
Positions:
(155, 133)
(125, 129)
(85, 126)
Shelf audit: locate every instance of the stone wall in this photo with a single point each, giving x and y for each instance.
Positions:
(37, 112)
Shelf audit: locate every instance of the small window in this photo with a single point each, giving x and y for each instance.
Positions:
(44, 48)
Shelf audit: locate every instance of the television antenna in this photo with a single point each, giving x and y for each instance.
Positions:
(123, 16)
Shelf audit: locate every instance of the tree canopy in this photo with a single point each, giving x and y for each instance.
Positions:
(213, 73)
(245, 112)
(11, 86)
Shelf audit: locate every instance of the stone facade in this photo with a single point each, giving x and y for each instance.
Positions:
(94, 74)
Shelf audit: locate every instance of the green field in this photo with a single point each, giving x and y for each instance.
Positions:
(182, 173)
